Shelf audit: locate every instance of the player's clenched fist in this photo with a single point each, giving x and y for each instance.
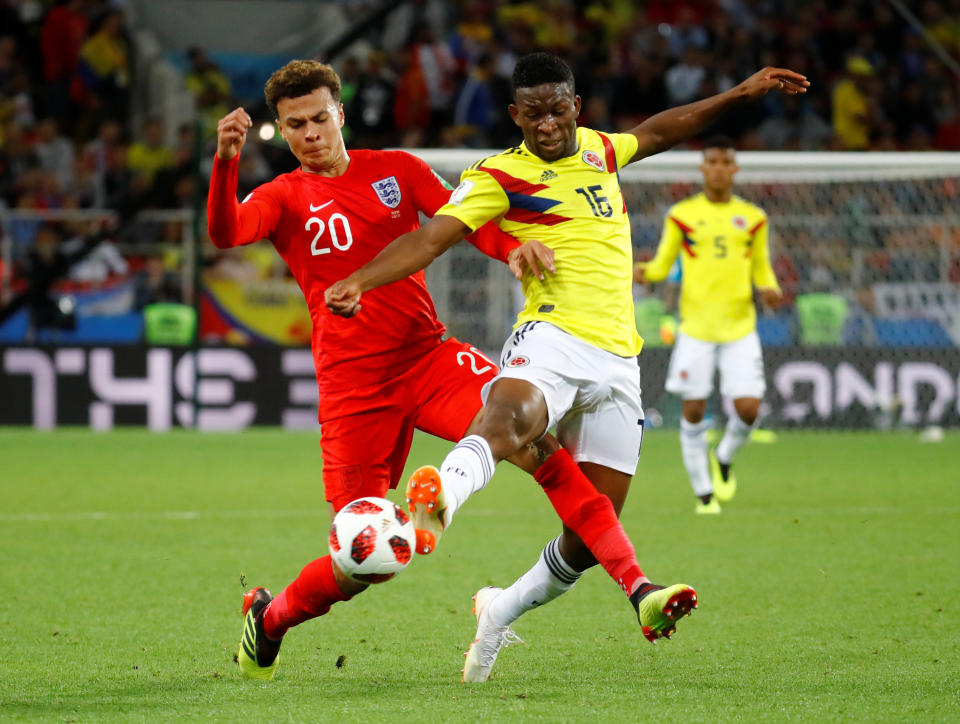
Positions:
(232, 133)
(343, 298)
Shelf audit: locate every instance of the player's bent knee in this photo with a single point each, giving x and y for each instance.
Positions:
(748, 408)
(694, 410)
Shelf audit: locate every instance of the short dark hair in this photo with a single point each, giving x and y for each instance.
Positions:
(539, 68)
(724, 143)
(300, 78)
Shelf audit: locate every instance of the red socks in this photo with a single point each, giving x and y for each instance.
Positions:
(312, 594)
(591, 516)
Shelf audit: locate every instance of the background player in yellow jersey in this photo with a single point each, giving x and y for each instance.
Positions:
(571, 361)
(724, 255)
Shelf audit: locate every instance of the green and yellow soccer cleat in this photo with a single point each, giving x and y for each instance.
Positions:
(724, 486)
(711, 508)
(764, 437)
(659, 609)
(258, 656)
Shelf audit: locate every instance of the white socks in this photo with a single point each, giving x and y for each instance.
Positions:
(550, 577)
(693, 446)
(738, 432)
(465, 471)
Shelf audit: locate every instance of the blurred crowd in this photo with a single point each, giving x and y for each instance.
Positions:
(437, 74)
(879, 82)
(66, 138)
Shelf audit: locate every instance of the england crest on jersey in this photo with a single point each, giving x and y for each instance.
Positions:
(388, 191)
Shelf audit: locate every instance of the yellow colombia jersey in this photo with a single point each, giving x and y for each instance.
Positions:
(724, 255)
(574, 206)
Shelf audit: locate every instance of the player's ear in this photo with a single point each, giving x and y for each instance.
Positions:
(280, 129)
(514, 113)
(577, 102)
(341, 114)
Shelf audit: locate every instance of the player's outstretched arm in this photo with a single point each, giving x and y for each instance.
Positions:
(405, 255)
(675, 125)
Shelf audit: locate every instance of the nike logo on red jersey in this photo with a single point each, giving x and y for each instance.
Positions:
(317, 208)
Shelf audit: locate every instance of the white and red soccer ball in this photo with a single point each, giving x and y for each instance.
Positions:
(372, 539)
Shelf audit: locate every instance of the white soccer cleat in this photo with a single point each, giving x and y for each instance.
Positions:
(490, 638)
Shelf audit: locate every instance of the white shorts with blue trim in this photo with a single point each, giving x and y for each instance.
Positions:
(694, 361)
(592, 396)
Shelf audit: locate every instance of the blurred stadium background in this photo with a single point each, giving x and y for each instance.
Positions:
(107, 118)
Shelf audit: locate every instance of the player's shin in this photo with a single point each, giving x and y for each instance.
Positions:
(734, 437)
(311, 594)
(693, 447)
(466, 470)
(550, 577)
(592, 517)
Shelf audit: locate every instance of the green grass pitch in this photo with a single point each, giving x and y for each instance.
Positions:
(828, 589)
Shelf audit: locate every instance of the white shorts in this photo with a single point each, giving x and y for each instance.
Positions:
(593, 396)
(693, 362)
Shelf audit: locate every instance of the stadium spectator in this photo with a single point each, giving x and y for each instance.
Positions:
(948, 129)
(96, 263)
(475, 112)
(909, 111)
(101, 85)
(686, 32)
(61, 37)
(411, 109)
(18, 106)
(44, 264)
(55, 153)
(473, 34)
(150, 155)
(210, 87)
(683, 80)
(434, 62)
(155, 283)
(639, 95)
(796, 128)
(855, 113)
(371, 111)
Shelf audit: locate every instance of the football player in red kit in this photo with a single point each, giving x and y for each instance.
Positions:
(378, 379)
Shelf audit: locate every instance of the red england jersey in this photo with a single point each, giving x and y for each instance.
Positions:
(325, 228)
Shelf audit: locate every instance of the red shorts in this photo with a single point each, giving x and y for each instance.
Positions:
(364, 452)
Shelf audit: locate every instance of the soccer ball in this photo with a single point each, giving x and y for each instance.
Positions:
(371, 540)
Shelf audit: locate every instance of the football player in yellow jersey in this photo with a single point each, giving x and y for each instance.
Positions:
(571, 361)
(724, 255)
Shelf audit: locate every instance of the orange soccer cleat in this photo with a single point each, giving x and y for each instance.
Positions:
(428, 507)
